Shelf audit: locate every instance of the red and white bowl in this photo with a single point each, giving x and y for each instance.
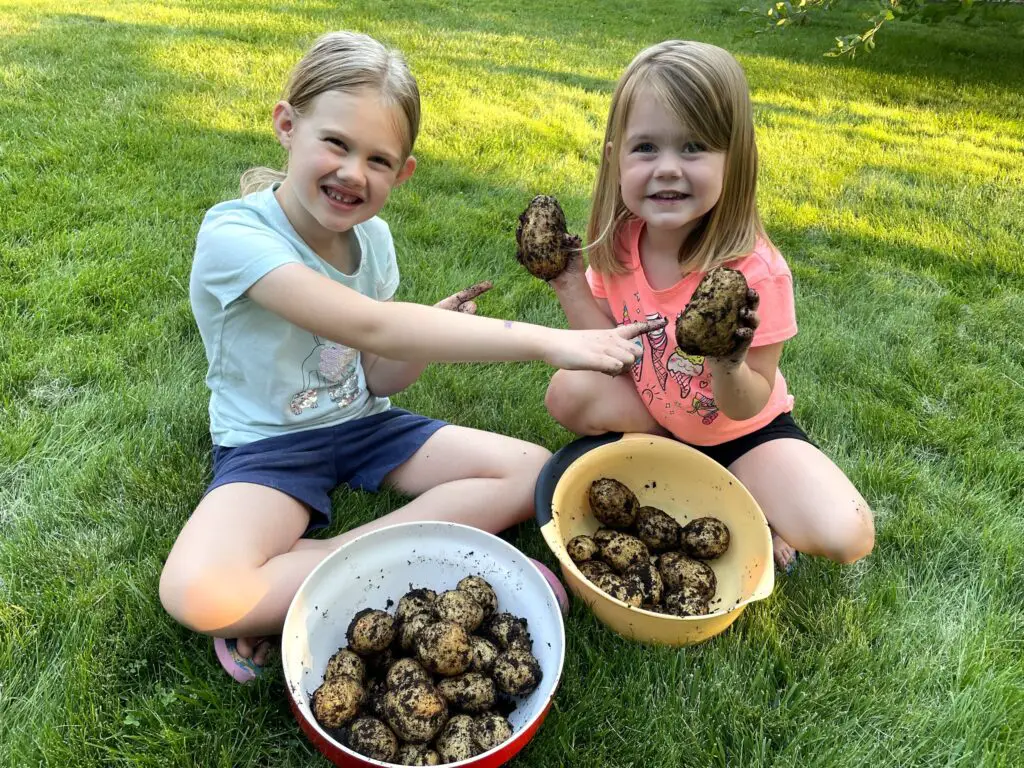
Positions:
(383, 565)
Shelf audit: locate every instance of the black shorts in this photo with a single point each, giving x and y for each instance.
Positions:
(779, 427)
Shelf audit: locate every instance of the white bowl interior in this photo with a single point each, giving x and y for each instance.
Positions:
(383, 565)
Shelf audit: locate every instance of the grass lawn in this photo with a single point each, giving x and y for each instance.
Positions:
(892, 184)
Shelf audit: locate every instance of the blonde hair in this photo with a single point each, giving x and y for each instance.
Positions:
(705, 88)
(347, 62)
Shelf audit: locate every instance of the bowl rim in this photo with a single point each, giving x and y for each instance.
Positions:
(294, 694)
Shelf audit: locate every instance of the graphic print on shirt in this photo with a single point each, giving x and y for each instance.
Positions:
(671, 369)
(329, 366)
(638, 366)
(684, 368)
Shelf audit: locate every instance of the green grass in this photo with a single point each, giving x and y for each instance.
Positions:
(892, 184)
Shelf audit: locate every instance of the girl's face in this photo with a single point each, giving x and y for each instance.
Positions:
(665, 177)
(345, 155)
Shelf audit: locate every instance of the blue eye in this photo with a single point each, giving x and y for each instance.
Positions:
(693, 147)
(644, 147)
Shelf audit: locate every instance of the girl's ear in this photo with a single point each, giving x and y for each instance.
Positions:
(284, 123)
(406, 170)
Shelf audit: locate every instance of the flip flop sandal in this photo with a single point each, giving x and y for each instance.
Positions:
(240, 668)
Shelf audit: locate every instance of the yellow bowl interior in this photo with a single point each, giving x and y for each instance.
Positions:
(685, 484)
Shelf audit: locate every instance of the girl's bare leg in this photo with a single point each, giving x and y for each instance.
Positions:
(239, 559)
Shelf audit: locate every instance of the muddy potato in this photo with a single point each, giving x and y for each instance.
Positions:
(406, 671)
(657, 530)
(581, 549)
(705, 537)
(456, 740)
(629, 592)
(415, 712)
(411, 627)
(461, 608)
(623, 550)
(517, 672)
(603, 535)
(470, 692)
(345, 662)
(507, 631)
(481, 591)
(707, 325)
(543, 245)
(484, 654)
(416, 754)
(648, 577)
(369, 736)
(613, 503)
(337, 701)
(370, 631)
(444, 649)
(414, 602)
(594, 568)
(680, 572)
(491, 730)
(679, 604)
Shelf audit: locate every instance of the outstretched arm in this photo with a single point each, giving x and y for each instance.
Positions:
(413, 332)
(386, 377)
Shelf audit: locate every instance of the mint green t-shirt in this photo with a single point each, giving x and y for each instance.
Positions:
(268, 377)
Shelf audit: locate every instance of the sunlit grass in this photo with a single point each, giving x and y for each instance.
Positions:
(891, 184)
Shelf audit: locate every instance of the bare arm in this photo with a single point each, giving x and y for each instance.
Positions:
(404, 331)
(581, 309)
(386, 377)
(742, 390)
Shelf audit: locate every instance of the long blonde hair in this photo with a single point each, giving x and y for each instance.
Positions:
(347, 62)
(705, 88)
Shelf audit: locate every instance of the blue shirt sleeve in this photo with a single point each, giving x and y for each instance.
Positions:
(233, 252)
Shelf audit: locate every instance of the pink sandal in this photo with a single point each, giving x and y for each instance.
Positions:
(240, 668)
(556, 586)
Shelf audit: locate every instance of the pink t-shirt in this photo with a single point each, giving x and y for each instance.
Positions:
(676, 387)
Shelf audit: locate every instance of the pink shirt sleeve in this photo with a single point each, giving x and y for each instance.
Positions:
(768, 274)
(596, 284)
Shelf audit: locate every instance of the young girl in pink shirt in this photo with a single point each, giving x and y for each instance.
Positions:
(676, 197)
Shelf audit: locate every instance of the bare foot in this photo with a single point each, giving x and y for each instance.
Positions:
(255, 648)
(785, 555)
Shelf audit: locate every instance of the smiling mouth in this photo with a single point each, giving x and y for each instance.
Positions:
(668, 196)
(341, 197)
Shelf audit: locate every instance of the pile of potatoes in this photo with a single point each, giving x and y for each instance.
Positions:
(430, 684)
(644, 557)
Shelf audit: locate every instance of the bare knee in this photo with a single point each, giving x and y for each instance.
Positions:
(855, 539)
(197, 597)
(522, 476)
(567, 400)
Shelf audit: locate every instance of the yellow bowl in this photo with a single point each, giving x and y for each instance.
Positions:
(686, 484)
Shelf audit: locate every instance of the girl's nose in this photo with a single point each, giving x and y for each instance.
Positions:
(352, 173)
(668, 167)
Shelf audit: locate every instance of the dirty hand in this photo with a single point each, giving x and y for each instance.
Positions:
(608, 350)
(744, 333)
(463, 300)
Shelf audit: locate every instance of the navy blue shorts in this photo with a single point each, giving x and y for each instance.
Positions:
(781, 426)
(309, 465)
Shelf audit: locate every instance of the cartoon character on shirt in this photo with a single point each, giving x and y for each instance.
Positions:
(704, 407)
(329, 366)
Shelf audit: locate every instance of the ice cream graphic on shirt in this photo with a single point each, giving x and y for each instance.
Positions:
(659, 343)
(330, 366)
(704, 407)
(683, 368)
(638, 366)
